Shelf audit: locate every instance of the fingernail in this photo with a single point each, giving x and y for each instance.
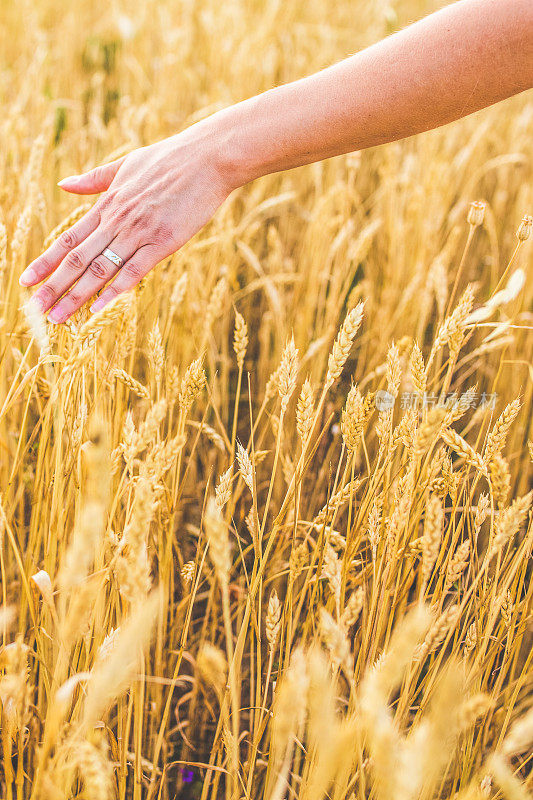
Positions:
(99, 304)
(28, 277)
(70, 179)
(56, 315)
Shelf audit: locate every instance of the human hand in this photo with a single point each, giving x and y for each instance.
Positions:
(154, 200)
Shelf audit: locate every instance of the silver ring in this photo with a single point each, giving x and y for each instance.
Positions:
(117, 260)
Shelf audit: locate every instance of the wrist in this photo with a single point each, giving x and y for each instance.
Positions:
(280, 129)
(236, 151)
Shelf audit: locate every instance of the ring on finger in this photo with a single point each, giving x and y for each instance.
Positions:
(113, 257)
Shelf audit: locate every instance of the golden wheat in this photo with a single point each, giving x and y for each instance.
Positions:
(265, 526)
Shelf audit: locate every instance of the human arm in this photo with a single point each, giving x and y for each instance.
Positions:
(467, 56)
(458, 60)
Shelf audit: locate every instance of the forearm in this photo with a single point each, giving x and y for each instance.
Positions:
(454, 62)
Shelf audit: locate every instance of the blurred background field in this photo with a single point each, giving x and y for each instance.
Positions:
(265, 617)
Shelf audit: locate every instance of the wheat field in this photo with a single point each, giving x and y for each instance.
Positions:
(265, 522)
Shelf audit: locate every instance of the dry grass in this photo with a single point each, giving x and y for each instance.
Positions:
(220, 562)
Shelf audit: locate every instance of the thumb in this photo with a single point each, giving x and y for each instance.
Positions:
(94, 181)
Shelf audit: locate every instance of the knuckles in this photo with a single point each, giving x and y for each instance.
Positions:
(46, 295)
(138, 219)
(98, 269)
(74, 298)
(118, 214)
(135, 217)
(133, 270)
(121, 214)
(105, 201)
(68, 240)
(112, 290)
(130, 214)
(74, 261)
(163, 234)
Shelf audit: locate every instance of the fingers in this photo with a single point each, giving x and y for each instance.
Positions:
(71, 269)
(130, 274)
(94, 181)
(97, 180)
(48, 261)
(99, 272)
